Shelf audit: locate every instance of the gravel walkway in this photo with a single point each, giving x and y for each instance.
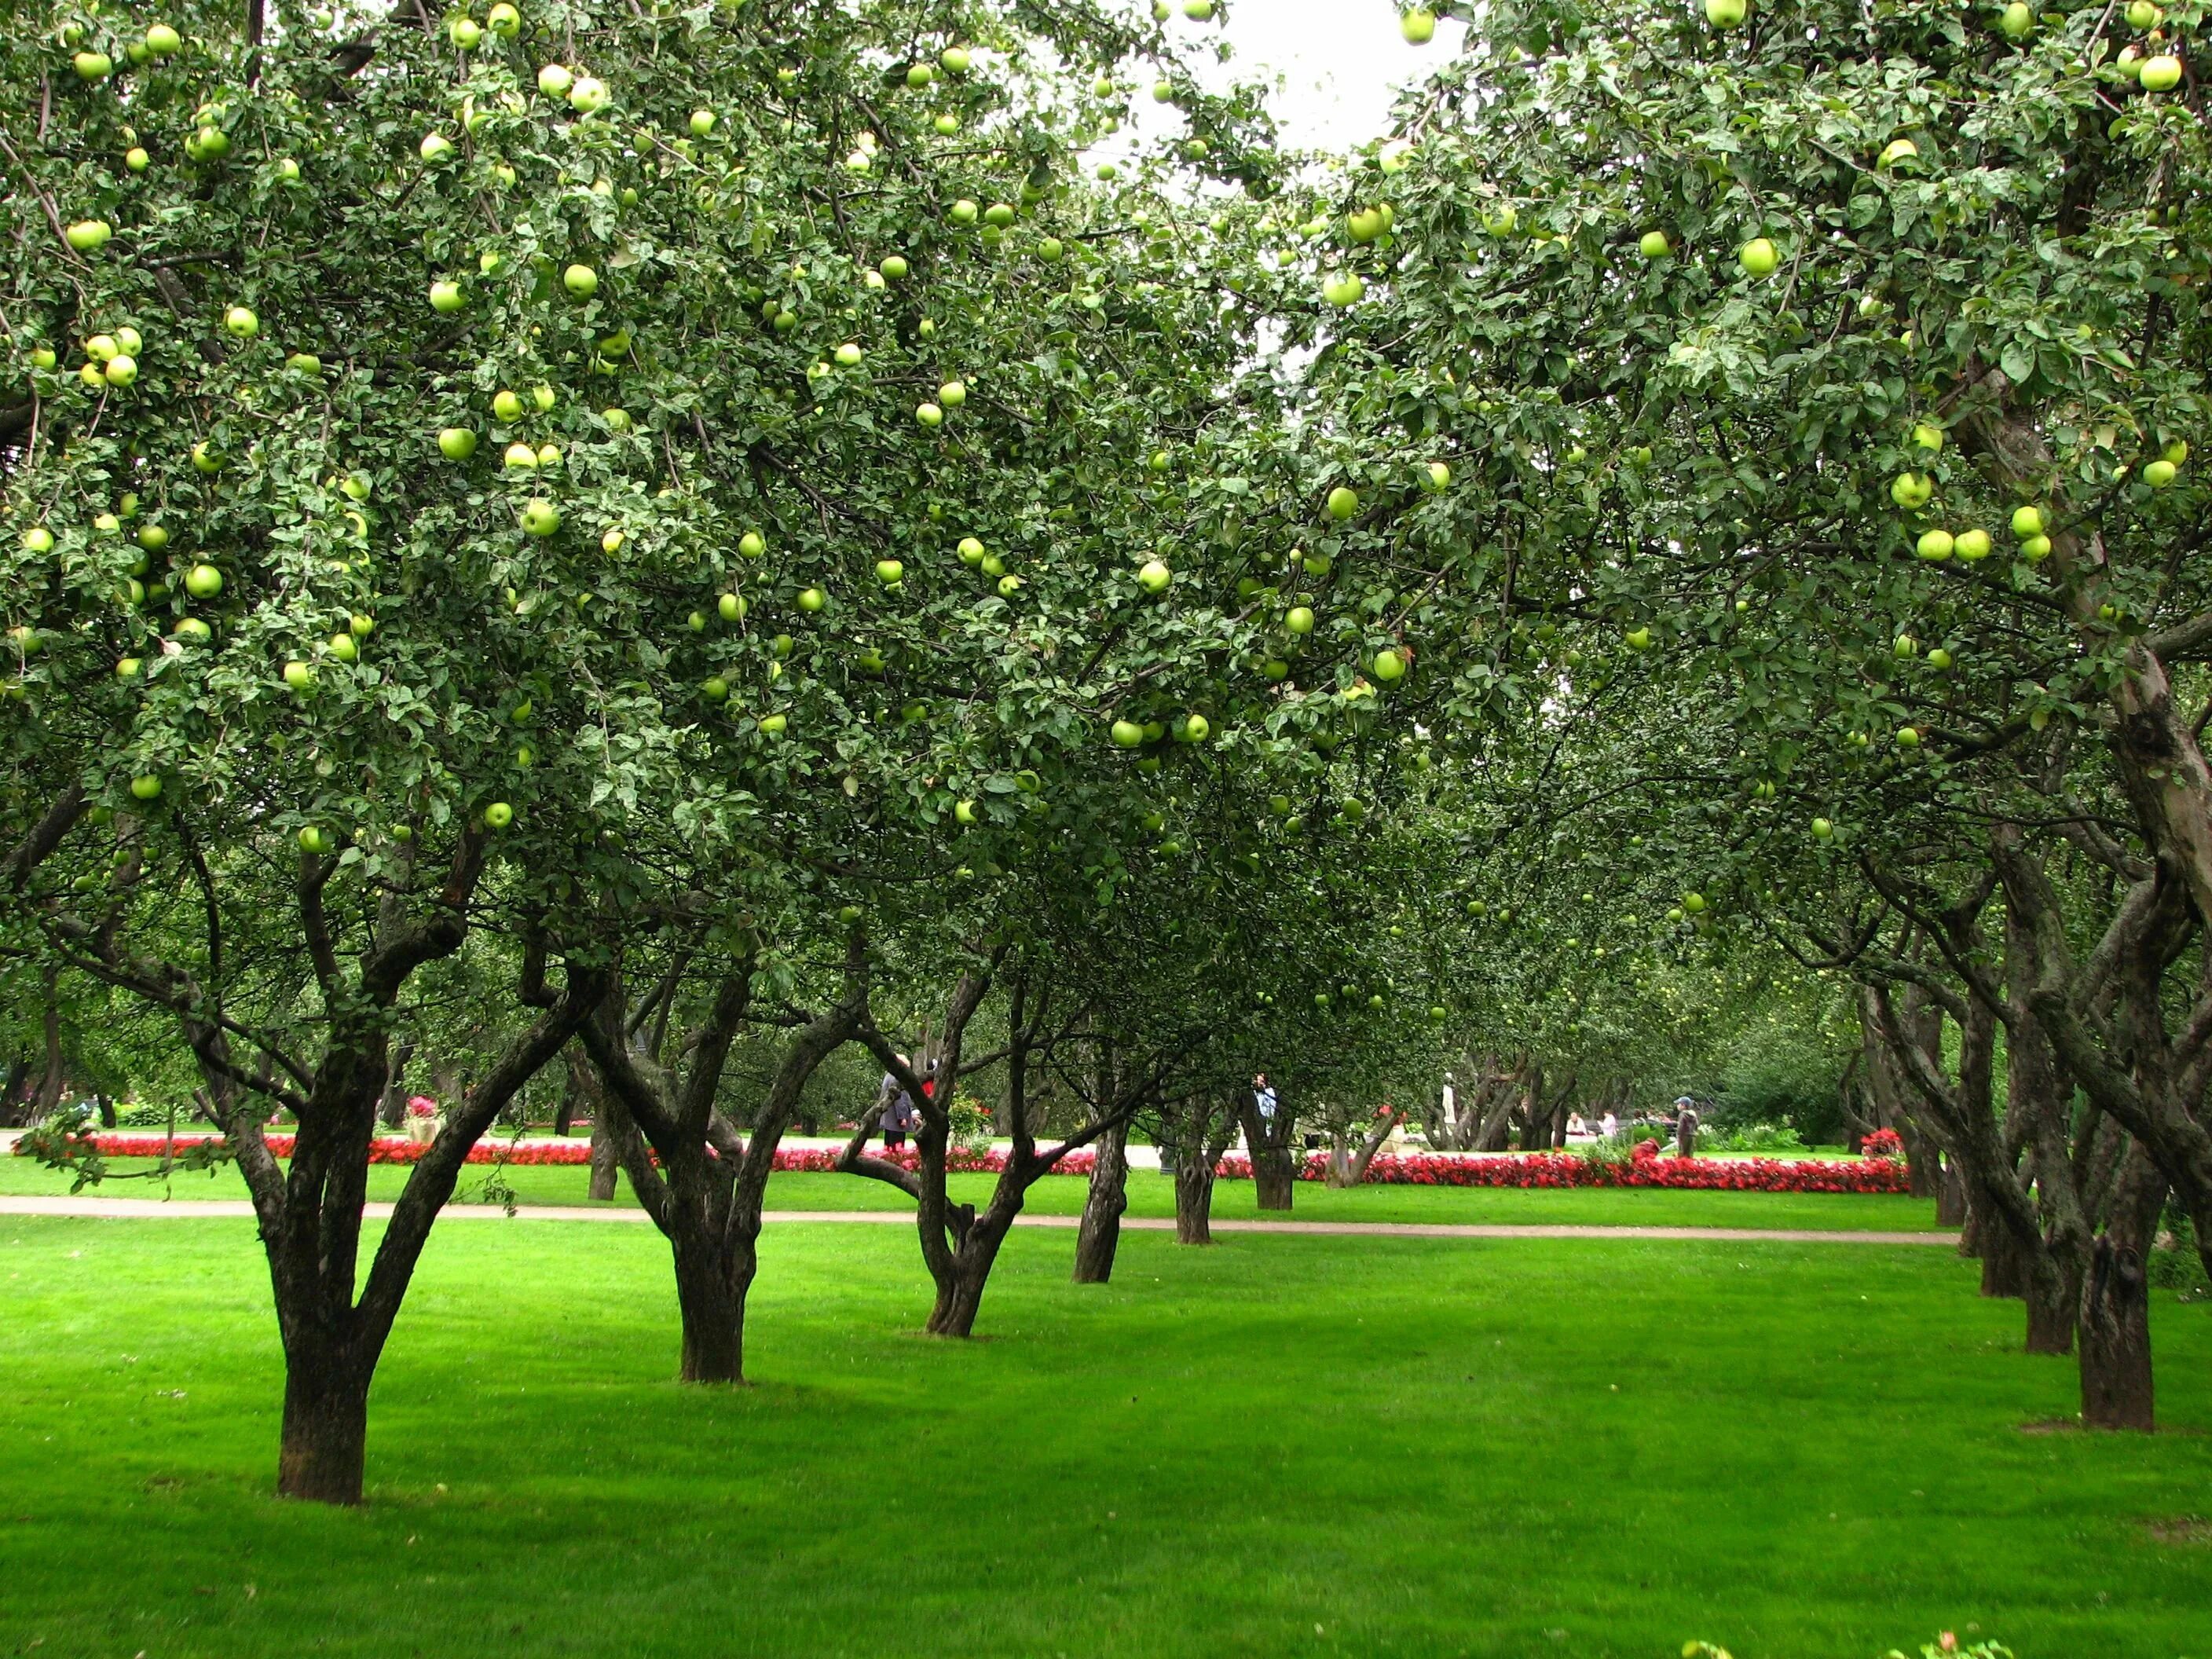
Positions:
(185, 1209)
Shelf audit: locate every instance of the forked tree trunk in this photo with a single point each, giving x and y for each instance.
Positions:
(1274, 1168)
(1100, 1236)
(960, 1291)
(1193, 1193)
(2116, 1389)
(2054, 1302)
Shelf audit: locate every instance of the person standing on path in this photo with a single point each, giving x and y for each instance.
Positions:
(896, 1116)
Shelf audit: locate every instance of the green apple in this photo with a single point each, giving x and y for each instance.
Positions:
(521, 457)
(773, 725)
(1938, 659)
(1389, 665)
(1439, 476)
(152, 537)
(2027, 522)
(716, 688)
(952, 394)
(43, 357)
(1300, 619)
(1912, 490)
(1896, 151)
(731, 607)
(498, 815)
(206, 457)
(506, 406)
(434, 147)
(1929, 436)
(1009, 585)
(1639, 638)
(589, 95)
(1503, 220)
(971, 550)
(2143, 14)
(1343, 290)
(894, 267)
(964, 812)
(146, 786)
(92, 65)
(1164, 92)
(193, 629)
(612, 541)
(1128, 734)
(465, 33)
(2177, 452)
(1908, 737)
(1935, 545)
(581, 281)
(300, 675)
(314, 839)
(136, 159)
(1365, 225)
(1758, 257)
(543, 397)
(344, 647)
(122, 369)
(361, 625)
(540, 517)
(1155, 576)
(1971, 544)
(1343, 502)
(457, 443)
(163, 41)
(811, 600)
(446, 297)
(889, 572)
(88, 235)
(964, 212)
(955, 60)
(304, 362)
(241, 322)
(2158, 475)
(2162, 73)
(288, 170)
(848, 355)
(1654, 245)
(752, 544)
(555, 80)
(618, 420)
(38, 539)
(993, 565)
(503, 21)
(208, 143)
(1195, 729)
(1418, 27)
(204, 581)
(2016, 21)
(929, 415)
(549, 456)
(1199, 11)
(1724, 13)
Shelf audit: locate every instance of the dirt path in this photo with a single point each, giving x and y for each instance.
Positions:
(185, 1209)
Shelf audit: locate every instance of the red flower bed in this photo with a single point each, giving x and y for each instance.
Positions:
(1646, 1168)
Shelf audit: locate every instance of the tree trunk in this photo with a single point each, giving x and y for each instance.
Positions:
(1535, 1122)
(2054, 1304)
(1193, 1193)
(2115, 1321)
(960, 1291)
(1101, 1233)
(391, 1109)
(605, 1165)
(48, 1100)
(1951, 1204)
(2006, 1264)
(710, 1298)
(1274, 1168)
(324, 1450)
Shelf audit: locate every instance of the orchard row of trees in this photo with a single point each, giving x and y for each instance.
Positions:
(662, 538)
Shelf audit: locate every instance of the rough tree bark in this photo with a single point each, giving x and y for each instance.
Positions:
(1273, 1147)
(2116, 1390)
(1100, 1236)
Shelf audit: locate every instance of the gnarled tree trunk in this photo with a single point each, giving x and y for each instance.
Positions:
(1100, 1236)
(2116, 1390)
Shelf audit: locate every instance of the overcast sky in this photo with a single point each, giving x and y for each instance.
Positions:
(1341, 60)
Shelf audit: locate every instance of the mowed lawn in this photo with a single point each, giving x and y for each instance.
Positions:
(1279, 1446)
(1150, 1193)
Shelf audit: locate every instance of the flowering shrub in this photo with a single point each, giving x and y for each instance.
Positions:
(1883, 1143)
(1647, 1166)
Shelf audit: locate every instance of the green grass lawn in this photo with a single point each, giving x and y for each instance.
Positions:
(1151, 1194)
(1277, 1447)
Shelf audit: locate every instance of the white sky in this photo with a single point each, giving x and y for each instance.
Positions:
(1342, 61)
